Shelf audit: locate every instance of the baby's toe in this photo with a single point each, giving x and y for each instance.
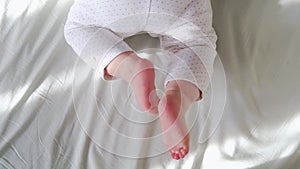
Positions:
(183, 152)
(180, 155)
(177, 156)
(173, 155)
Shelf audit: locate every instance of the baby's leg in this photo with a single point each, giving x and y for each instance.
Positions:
(178, 97)
(193, 74)
(139, 73)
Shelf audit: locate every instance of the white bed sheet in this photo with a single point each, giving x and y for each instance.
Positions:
(52, 105)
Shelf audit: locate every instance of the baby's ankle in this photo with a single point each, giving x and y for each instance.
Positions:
(121, 66)
(184, 87)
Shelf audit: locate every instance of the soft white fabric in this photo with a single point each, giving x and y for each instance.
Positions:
(96, 29)
(50, 100)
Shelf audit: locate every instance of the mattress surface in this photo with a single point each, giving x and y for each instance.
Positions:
(55, 112)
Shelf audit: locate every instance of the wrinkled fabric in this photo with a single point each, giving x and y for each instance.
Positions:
(51, 102)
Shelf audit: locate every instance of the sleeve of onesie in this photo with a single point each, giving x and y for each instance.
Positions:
(93, 43)
(193, 40)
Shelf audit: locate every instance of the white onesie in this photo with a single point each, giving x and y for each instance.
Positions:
(95, 29)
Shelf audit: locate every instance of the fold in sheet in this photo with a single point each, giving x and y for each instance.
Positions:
(40, 128)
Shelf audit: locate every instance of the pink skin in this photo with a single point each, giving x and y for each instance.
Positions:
(139, 73)
(179, 95)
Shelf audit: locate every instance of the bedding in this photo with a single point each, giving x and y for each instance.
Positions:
(56, 112)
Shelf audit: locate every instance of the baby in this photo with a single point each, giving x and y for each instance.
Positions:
(96, 28)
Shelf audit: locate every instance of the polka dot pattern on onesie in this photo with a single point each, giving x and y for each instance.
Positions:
(96, 28)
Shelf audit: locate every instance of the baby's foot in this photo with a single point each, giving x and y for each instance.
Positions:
(172, 108)
(139, 73)
(143, 86)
